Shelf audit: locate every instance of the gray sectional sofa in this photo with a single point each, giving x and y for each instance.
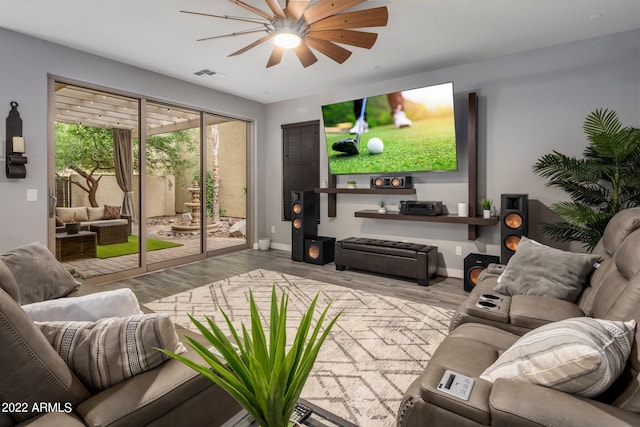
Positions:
(39, 388)
(510, 348)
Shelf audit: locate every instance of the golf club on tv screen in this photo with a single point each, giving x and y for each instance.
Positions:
(408, 131)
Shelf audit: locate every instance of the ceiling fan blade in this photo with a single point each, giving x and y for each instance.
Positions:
(325, 8)
(275, 8)
(330, 49)
(376, 17)
(295, 8)
(252, 45)
(253, 9)
(276, 56)
(232, 18)
(305, 55)
(350, 37)
(238, 33)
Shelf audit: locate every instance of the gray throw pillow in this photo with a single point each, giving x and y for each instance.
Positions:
(8, 282)
(536, 269)
(38, 273)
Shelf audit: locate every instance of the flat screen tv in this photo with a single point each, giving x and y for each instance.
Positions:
(408, 131)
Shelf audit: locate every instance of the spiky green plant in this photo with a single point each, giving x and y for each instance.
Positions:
(257, 370)
(606, 180)
(486, 204)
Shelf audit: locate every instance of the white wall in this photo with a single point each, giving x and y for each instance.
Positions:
(530, 104)
(25, 63)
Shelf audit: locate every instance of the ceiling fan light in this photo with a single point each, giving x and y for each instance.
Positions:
(287, 39)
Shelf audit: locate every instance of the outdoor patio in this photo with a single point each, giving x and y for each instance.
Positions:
(156, 229)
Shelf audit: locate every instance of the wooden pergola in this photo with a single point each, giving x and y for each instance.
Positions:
(88, 107)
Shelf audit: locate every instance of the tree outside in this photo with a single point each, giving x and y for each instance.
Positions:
(88, 151)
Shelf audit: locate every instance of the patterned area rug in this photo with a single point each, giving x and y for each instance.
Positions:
(377, 348)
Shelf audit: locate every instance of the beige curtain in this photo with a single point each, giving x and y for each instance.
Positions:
(123, 161)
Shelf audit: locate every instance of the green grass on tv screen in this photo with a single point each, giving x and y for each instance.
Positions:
(428, 145)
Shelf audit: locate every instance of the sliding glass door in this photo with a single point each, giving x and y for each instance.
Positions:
(152, 185)
(95, 181)
(173, 206)
(226, 183)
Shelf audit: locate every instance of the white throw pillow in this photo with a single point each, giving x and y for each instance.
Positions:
(583, 356)
(116, 303)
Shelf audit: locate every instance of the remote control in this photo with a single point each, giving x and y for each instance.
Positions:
(300, 413)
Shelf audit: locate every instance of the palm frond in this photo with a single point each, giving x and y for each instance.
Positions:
(601, 122)
(577, 214)
(559, 167)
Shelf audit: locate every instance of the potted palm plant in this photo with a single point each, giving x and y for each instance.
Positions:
(382, 206)
(601, 183)
(255, 369)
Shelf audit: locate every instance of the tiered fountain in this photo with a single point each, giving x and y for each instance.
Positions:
(194, 206)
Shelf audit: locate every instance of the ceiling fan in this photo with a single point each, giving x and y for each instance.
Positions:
(320, 26)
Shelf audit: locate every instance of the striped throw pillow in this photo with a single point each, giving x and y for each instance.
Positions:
(110, 350)
(583, 356)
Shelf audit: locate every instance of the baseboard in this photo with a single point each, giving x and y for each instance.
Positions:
(279, 246)
(451, 272)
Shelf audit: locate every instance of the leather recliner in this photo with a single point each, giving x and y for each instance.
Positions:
(39, 389)
(521, 313)
(476, 341)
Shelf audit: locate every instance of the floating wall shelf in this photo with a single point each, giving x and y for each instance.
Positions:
(396, 191)
(451, 219)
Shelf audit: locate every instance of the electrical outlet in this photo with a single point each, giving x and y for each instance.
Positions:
(32, 195)
(459, 250)
(273, 229)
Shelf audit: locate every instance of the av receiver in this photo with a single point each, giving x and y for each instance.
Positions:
(391, 182)
(415, 207)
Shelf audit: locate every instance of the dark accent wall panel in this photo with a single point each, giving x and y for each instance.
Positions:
(300, 162)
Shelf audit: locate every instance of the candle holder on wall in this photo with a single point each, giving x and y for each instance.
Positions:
(16, 161)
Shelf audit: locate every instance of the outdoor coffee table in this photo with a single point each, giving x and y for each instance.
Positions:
(69, 246)
(319, 418)
(110, 232)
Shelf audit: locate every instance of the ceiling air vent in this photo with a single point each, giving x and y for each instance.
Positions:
(205, 71)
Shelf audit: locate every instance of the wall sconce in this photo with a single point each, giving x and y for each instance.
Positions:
(15, 144)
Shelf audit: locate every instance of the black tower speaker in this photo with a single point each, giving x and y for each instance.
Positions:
(320, 250)
(473, 265)
(514, 223)
(304, 224)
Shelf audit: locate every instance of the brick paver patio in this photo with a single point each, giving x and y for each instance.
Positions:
(93, 267)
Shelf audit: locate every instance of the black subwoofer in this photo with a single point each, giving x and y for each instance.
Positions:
(304, 224)
(473, 266)
(514, 223)
(319, 250)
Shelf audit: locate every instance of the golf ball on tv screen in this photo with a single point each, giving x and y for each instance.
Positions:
(375, 145)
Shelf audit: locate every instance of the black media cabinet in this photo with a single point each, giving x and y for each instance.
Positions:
(411, 260)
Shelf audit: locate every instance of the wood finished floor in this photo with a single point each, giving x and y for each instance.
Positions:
(444, 292)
